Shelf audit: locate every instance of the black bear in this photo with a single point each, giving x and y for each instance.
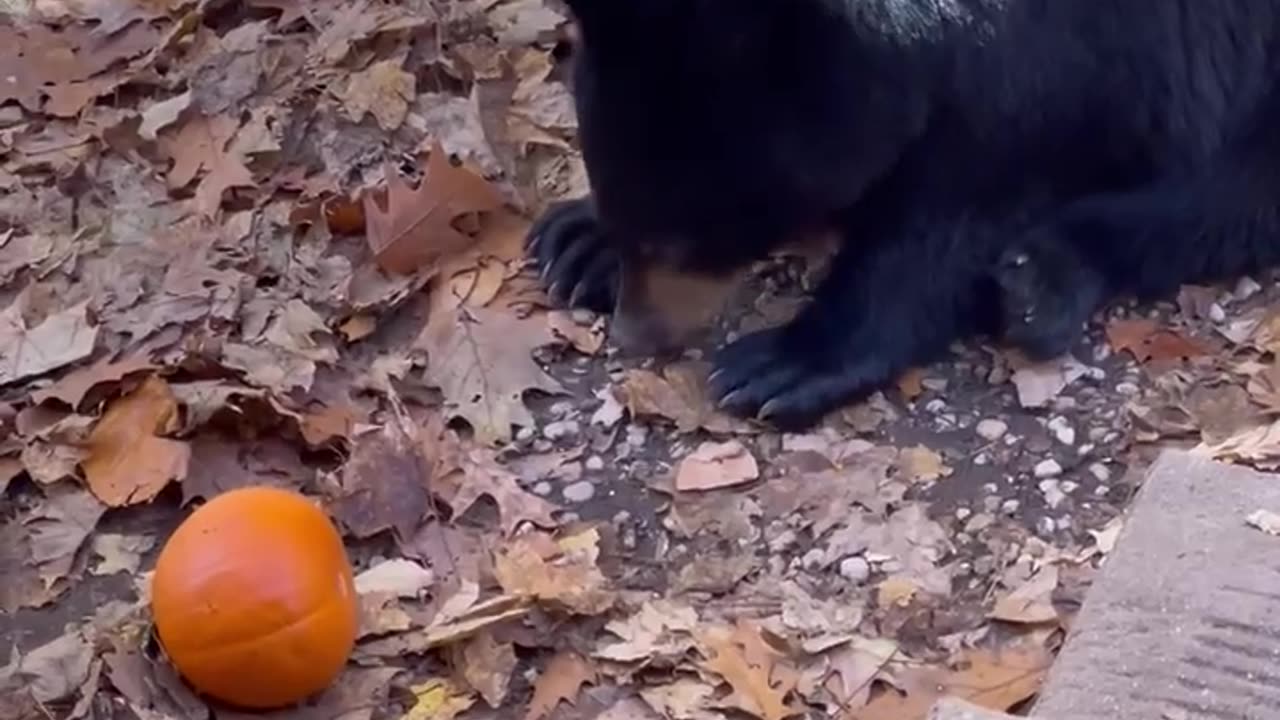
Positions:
(991, 165)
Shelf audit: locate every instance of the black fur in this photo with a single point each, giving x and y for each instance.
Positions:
(992, 164)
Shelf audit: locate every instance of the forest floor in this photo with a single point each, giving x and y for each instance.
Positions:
(234, 251)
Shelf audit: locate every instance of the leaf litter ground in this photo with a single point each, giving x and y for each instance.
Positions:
(280, 243)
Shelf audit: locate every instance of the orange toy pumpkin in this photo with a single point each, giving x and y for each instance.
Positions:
(253, 598)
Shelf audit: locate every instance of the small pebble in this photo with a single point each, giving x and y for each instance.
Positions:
(1010, 506)
(1127, 388)
(1047, 469)
(637, 435)
(580, 491)
(979, 522)
(1102, 490)
(935, 384)
(543, 488)
(1064, 523)
(936, 405)
(855, 570)
(1062, 430)
(561, 429)
(1045, 526)
(1053, 495)
(815, 559)
(963, 513)
(525, 434)
(981, 459)
(595, 463)
(1100, 471)
(1069, 486)
(1217, 314)
(783, 541)
(991, 429)
(562, 408)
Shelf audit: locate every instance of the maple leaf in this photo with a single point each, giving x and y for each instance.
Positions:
(561, 680)
(201, 145)
(410, 229)
(63, 338)
(481, 360)
(128, 462)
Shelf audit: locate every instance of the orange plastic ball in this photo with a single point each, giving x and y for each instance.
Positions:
(253, 598)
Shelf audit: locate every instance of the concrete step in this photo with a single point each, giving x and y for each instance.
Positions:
(1183, 622)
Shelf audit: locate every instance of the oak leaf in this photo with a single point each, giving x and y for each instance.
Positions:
(716, 465)
(478, 473)
(409, 229)
(481, 360)
(383, 89)
(560, 572)
(561, 680)
(72, 387)
(201, 145)
(128, 462)
(760, 682)
(1148, 342)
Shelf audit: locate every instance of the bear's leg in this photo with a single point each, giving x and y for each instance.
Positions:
(884, 308)
(1047, 295)
(578, 268)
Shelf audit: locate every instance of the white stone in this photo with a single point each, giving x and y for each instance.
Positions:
(580, 491)
(991, 429)
(855, 569)
(1047, 469)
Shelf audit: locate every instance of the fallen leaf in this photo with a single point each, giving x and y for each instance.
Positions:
(1147, 342)
(920, 464)
(383, 485)
(439, 699)
(716, 465)
(58, 528)
(481, 360)
(410, 229)
(1031, 603)
(760, 685)
(383, 89)
(199, 145)
(1259, 446)
(996, 680)
(72, 387)
(1267, 521)
(679, 394)
(128, 461)
(398, 576)
(560, 572)
(587, 339)
(911, 384)
(120, 553)
(486, 665)
(58, 668)
(560, 680)
(659, 630)
(1039, 383)
(63, 338)
(479, 474)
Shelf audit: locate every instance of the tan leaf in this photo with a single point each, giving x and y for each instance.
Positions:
(58, 528)
(411, 229)
(716, 465)
(561, 680)
(383, 89)
(63, 338)
(1259, 446)
(911, 384)
(72, 387)
(439, 699)
(120, 553)
(487, 664)
(481, 360)
(1031, 603)
(128, 461)
(561, 572)
(480, 474)
(1038, 383)
(921, 464)
(587, 339)
(679, 394)
(200, 145)
(760, 685)
(1147, 342)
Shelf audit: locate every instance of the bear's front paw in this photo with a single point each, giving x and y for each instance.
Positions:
(789, 384)
(1046, 296)
(578, 268)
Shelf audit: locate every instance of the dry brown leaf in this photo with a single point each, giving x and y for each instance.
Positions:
(410, 229)
(486, 665)
(661, 630)
(561, 680)
(1031, 603)
(120, 553)
(128, 462)
(587, 339)
(332, 423)
(1038, 383)
(481, 359)
(383, 89)
(911, 384)
(716, 465)
(561, 572)
(58, 528)
(921, 464)
(760, 682)
(439, 699)
(200, 145)
(72, 387)
(480, 474)
(678, 394)
(996, 680)
(63, 338)
(1259, 446)
(384, 485)
(1147, 342)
